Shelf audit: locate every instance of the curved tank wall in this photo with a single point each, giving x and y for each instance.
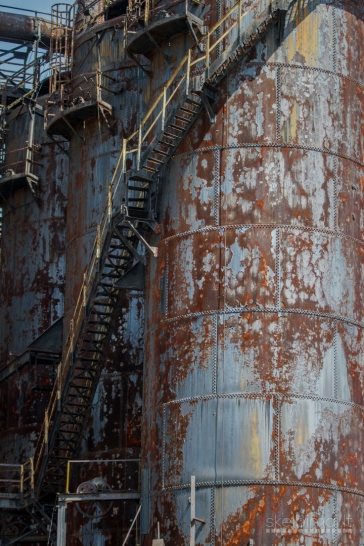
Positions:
(254, 366)
(33, 232)
(32, 281)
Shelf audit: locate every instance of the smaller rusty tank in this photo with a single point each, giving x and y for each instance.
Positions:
(33, 188)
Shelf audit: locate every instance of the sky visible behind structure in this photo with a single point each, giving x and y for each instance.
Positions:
(33, 5)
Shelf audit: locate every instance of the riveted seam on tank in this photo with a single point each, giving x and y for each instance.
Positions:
(212, 516)
(335, 361)
(308, 68)
(277, 419)
(216, 187)
(334, 39)
(282, 145)
(278, 103)
(335, 518)
(237, 483)
(234, 310)
(166, 280)
(278, 268)
(324, 231)
(335, 189)
(214, 355)
(265, 395)
(163, 444)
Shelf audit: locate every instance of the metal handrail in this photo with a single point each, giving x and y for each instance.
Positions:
(19, 483)
(184, 72)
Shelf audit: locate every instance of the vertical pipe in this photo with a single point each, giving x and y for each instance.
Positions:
(61, 524)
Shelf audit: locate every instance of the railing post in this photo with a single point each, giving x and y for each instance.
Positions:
(207, 51)
(109, 204)
(146, 14)
(46, 427)
(59, 393)
(21, 481)
(84, 290)
(164, 107)
(31, 462)
(139, 147)
(123, 163)
(72, 328)
(68, 474)
(98, 242)
(98, 86)
(188, 72)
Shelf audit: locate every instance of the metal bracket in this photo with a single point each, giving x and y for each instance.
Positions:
(192, 21)
(7, 202)
(132, 56)
(193, 512)
(130, 247)
(156, 45)
(154, 226)
(58, 144)
(73, 130)
(133, 279)
(152, 249)
(207, 105)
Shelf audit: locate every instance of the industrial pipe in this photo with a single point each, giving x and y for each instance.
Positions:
(16, 28)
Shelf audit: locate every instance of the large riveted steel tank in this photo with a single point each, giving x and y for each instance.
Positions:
(254, 346)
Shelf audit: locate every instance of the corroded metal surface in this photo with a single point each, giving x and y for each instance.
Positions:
(254, 312)
(33, 268)
(32, 281)
(16, 28)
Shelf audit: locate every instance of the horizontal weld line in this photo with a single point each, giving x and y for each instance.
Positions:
(308, 229)
(307, 67)
(237, 310)
(253, 395)
(271, 145)
(237, 483)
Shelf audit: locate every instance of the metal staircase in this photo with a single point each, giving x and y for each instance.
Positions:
(79, 372)
(120, 237)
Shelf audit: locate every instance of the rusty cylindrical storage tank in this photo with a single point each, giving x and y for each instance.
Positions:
(32, 275)
(254, 366)
(113, 427)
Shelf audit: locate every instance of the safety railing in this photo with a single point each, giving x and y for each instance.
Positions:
(226, 31)
(61, 45)
(234, 23)
(80, 90)
(17, 481)
(15, 161)
(122, 469)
